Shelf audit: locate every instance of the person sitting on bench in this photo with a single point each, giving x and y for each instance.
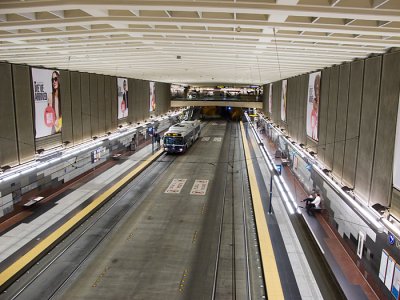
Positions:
(310, 198)
(315, 204)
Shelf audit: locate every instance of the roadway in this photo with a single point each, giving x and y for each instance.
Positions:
(160, 237)
(146, 244)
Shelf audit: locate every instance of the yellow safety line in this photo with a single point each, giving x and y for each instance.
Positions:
(270, 269)
(26, 259)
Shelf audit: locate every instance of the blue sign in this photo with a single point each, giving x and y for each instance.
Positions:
(279, 169)
(391, 239)
(309, 167)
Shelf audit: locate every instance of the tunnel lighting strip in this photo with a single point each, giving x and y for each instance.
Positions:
(72, 151)
(280, 183)
(352, 202)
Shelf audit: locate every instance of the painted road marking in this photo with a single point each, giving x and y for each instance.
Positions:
(205, 139)
(199, 187)
(214, 124)
(175, 186)
(217, 139)
(270, 268)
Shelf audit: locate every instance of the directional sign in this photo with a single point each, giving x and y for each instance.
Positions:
(391, 238)
(279, 169)
(176, 186)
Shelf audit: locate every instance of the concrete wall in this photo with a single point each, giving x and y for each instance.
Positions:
(56, 172)
(357, 122)
(88, 105)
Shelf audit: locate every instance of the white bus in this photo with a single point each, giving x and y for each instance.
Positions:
(181, 136)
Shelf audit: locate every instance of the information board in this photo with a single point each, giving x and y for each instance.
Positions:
(389, 272)
(382, 268)
(396, 282)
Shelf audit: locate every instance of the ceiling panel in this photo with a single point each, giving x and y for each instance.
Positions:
(234, 41)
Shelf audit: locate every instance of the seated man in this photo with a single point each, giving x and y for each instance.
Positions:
(316, 203)
(310, 198)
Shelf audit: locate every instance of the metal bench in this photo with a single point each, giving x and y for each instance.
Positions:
(33, 201)
(116, 156)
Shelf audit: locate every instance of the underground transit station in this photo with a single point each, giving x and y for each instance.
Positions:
(216, 149)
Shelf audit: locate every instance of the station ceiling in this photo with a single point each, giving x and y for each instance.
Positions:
(237, 41)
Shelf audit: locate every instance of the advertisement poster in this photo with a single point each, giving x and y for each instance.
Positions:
(314, 89)
(396, 160)
(396, 282)
(382, 268)
(390, 273)
(122, 86)
(47, 100)
(270, 99)
(152, 96)
(283, 100)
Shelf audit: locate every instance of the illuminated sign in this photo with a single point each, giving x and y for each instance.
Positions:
(391, 239)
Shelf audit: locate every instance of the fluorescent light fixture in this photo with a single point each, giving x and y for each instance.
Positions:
(392, 228)
(282, 192)
(351, 201)
(12, 176)
(69, 152)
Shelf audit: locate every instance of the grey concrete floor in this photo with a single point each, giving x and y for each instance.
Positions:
(168, 247)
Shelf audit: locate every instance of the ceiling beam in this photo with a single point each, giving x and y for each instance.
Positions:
(197, 33)
(58, 13)
(96, 12)
(265, 26)
(98, 7)
(378, 3)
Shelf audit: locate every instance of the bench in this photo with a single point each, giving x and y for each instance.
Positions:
(33, 201)
(285, 161)
(316, 209)
(116, 156)
(319, 210)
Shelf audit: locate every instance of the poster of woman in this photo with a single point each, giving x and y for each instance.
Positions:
(47, 101)
(270, 99)
(314, 90)
(396, 160)
(123, 98)
(152, 96)
(283, 100)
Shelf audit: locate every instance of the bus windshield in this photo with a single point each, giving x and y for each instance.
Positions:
(173, 140)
